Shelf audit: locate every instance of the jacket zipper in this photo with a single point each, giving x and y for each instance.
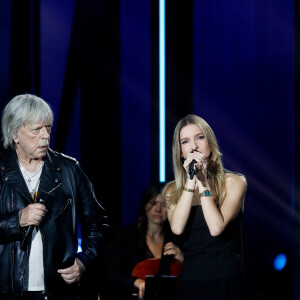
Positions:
(54, 188)
(69, 202)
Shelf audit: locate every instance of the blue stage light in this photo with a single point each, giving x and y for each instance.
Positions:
(162, 147)
(279, 261)
(79, 245)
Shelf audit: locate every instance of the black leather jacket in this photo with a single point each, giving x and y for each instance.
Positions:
(69, 194)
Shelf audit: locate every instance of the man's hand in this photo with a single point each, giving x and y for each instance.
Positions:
(73, 273)
(32, 214)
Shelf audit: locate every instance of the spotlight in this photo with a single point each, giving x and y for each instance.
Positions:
(279, 261)
(162, 104)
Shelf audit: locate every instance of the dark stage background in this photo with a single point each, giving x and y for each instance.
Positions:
(235, 63)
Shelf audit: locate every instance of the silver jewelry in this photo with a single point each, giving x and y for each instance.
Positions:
(31, 176)
(28, 174)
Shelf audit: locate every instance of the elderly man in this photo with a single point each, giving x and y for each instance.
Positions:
(42, 194)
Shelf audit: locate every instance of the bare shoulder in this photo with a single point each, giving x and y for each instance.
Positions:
(236, 180)
(236, 188)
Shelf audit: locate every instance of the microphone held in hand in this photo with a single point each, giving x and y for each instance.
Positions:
(192, 169)
(29, 230)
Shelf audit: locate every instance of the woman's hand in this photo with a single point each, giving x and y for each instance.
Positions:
(140, 284)
(200, 165)
(201, 175)
(188, 160)
(172, 249)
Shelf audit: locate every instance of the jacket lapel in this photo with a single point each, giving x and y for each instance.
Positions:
(49, 179)
(11, 173)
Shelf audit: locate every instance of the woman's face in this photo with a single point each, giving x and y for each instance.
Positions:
(191, 138)
(155, 211)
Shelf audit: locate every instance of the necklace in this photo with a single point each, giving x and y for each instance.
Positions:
(30, 175)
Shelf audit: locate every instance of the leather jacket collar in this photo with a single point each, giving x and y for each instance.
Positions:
(12, 175)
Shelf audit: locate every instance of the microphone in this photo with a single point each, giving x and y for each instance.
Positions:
(29, 230)
(192, 169)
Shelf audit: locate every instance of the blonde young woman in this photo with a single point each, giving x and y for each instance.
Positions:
(205, 206)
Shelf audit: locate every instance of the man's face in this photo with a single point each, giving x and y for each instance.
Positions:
(32, 140)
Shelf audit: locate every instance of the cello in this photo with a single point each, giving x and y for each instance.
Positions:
(166, 265)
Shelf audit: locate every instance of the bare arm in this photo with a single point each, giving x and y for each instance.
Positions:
(178, 214)
(217, 219)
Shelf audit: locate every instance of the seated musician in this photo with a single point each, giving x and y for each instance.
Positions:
(149, 237)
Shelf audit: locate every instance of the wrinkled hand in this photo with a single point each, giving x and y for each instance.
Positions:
(172, 249)
(140, 284)
(73, 273)
(32, 214)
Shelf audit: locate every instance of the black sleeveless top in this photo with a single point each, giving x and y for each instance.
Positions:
(207, 257)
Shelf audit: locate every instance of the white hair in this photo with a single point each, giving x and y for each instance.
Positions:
(22, 110)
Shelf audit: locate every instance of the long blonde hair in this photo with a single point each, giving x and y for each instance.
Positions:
(215, 169)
